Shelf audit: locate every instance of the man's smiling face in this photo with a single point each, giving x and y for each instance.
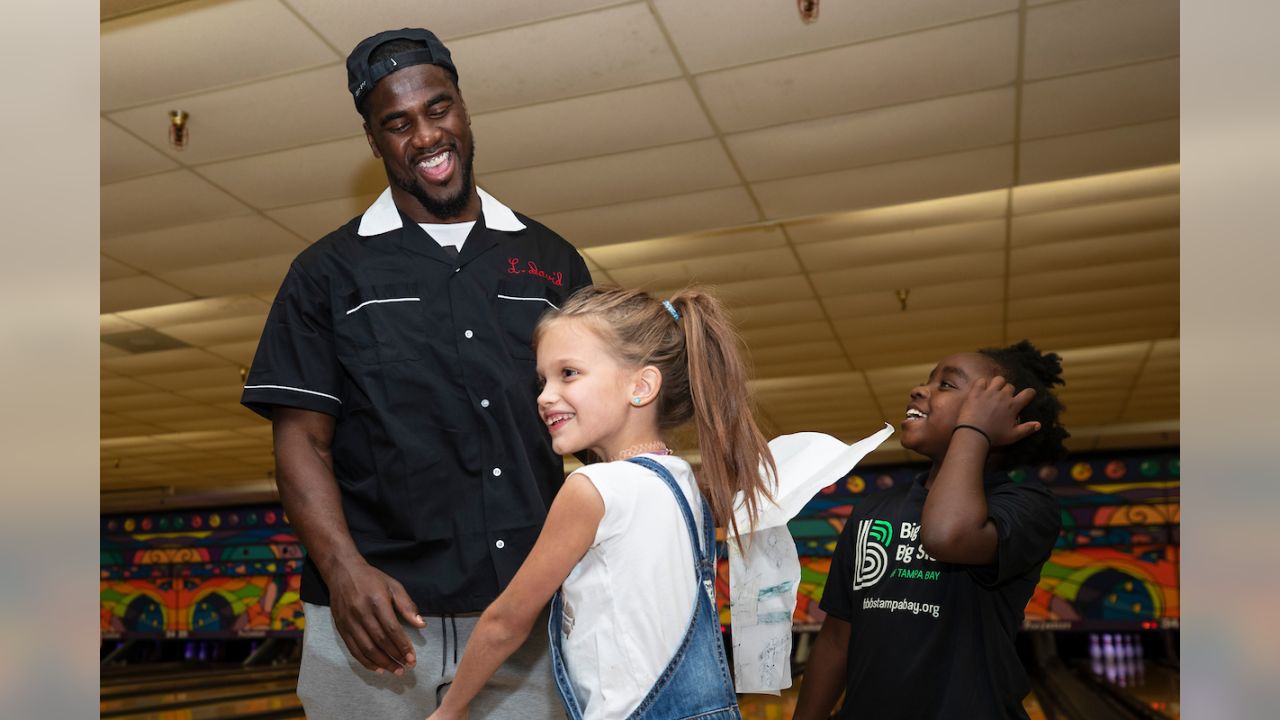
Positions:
(417, 124)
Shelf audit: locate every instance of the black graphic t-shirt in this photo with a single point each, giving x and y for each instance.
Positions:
(930, 639)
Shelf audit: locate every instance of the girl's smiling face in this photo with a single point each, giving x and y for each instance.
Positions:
(586, 391)
(935, 404)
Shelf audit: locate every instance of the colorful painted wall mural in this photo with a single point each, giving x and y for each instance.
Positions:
(230, 572)
(235, 571)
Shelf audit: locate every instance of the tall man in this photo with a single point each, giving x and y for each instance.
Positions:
(397, 371)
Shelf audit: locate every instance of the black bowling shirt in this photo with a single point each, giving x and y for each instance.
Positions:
(445, 468)
(929, 639)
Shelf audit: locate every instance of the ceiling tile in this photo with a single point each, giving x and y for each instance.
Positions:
(120, 387)
(115, 426)
(1107, 98)
(870, 137)
(138, 291)
(344, 24)
(232, 278)
(274, 114)
(1143, 322)
(921, 346)
(143, 401)
(613, 179)
(1066, 282)
(1087, 34)
(824, 351)
(713, 34)
(1097, 189)
(224, 330)
(178, 359)
(604, 123)
(1126, 355)
(1093, 252)
(946, 61)
(217, 308)
(1114, 218)
(817, 364)
(869, 250)
(875, 221)
(782, 313)
(783, 387)
(591, 52)
(202, 244)
(109, 324)
(223, 394)
(183, 47)
(788, 334)
(164, 200)
(867, 329)
(112, 270)
(338, 169)
(923, 271)
(722, 268)
(921, 296)
(686, 247)
(226, 375)
(892, 183)
(241, 353)
(315, 220)
(1095, 301)
(124, 156)
(685, 213)
(1101, 151)
(753, 292)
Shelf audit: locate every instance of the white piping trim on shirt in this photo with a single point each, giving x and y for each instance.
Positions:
(371, 302)
(286, 387)
(533, 299)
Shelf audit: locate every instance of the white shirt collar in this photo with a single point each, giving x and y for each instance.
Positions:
(382, 216)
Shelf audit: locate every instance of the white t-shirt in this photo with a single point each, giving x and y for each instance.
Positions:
(454, 234)
(628, 602)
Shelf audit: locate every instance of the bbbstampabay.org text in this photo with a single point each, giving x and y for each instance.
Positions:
(911, 606)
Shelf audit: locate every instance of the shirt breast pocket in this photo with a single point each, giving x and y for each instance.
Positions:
(520, 304)
(383, 323)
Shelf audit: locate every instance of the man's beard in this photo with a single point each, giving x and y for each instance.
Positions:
(449, 207)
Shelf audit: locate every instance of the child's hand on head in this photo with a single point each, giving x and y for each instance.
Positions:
(992, 406)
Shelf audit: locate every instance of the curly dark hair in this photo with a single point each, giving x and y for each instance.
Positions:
(1025, 366)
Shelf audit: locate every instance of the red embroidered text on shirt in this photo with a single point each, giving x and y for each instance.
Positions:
(531, 268)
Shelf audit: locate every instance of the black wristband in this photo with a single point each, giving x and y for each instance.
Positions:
(976, 429)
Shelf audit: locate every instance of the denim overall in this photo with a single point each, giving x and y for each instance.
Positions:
(696, 683)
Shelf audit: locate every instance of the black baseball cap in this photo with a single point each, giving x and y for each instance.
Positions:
(362, 76)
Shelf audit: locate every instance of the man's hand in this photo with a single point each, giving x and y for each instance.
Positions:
(992, 406)
(365, 603)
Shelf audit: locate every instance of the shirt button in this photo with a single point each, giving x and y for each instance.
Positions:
(468, 334)
(484, 403)
(457, 269)
(499, 544)
(497, 472)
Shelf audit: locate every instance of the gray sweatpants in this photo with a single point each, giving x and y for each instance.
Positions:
(333, 686)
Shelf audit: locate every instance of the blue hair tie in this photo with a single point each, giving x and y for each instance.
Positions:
(671, 309)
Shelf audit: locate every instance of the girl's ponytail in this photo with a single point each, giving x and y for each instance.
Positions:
(734, 451)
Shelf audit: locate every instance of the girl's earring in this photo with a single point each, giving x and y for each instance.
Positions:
(636, 400)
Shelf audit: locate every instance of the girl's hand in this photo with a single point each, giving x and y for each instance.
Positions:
(992, 406)
(442, 714)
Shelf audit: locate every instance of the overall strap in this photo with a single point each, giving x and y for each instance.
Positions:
(704, 551)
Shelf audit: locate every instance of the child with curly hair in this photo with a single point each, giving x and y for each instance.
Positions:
(929, 581)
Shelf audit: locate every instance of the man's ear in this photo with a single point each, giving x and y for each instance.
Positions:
(646, 385)
(368, 135)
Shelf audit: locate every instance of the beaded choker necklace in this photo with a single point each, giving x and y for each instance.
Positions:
(658, 447)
